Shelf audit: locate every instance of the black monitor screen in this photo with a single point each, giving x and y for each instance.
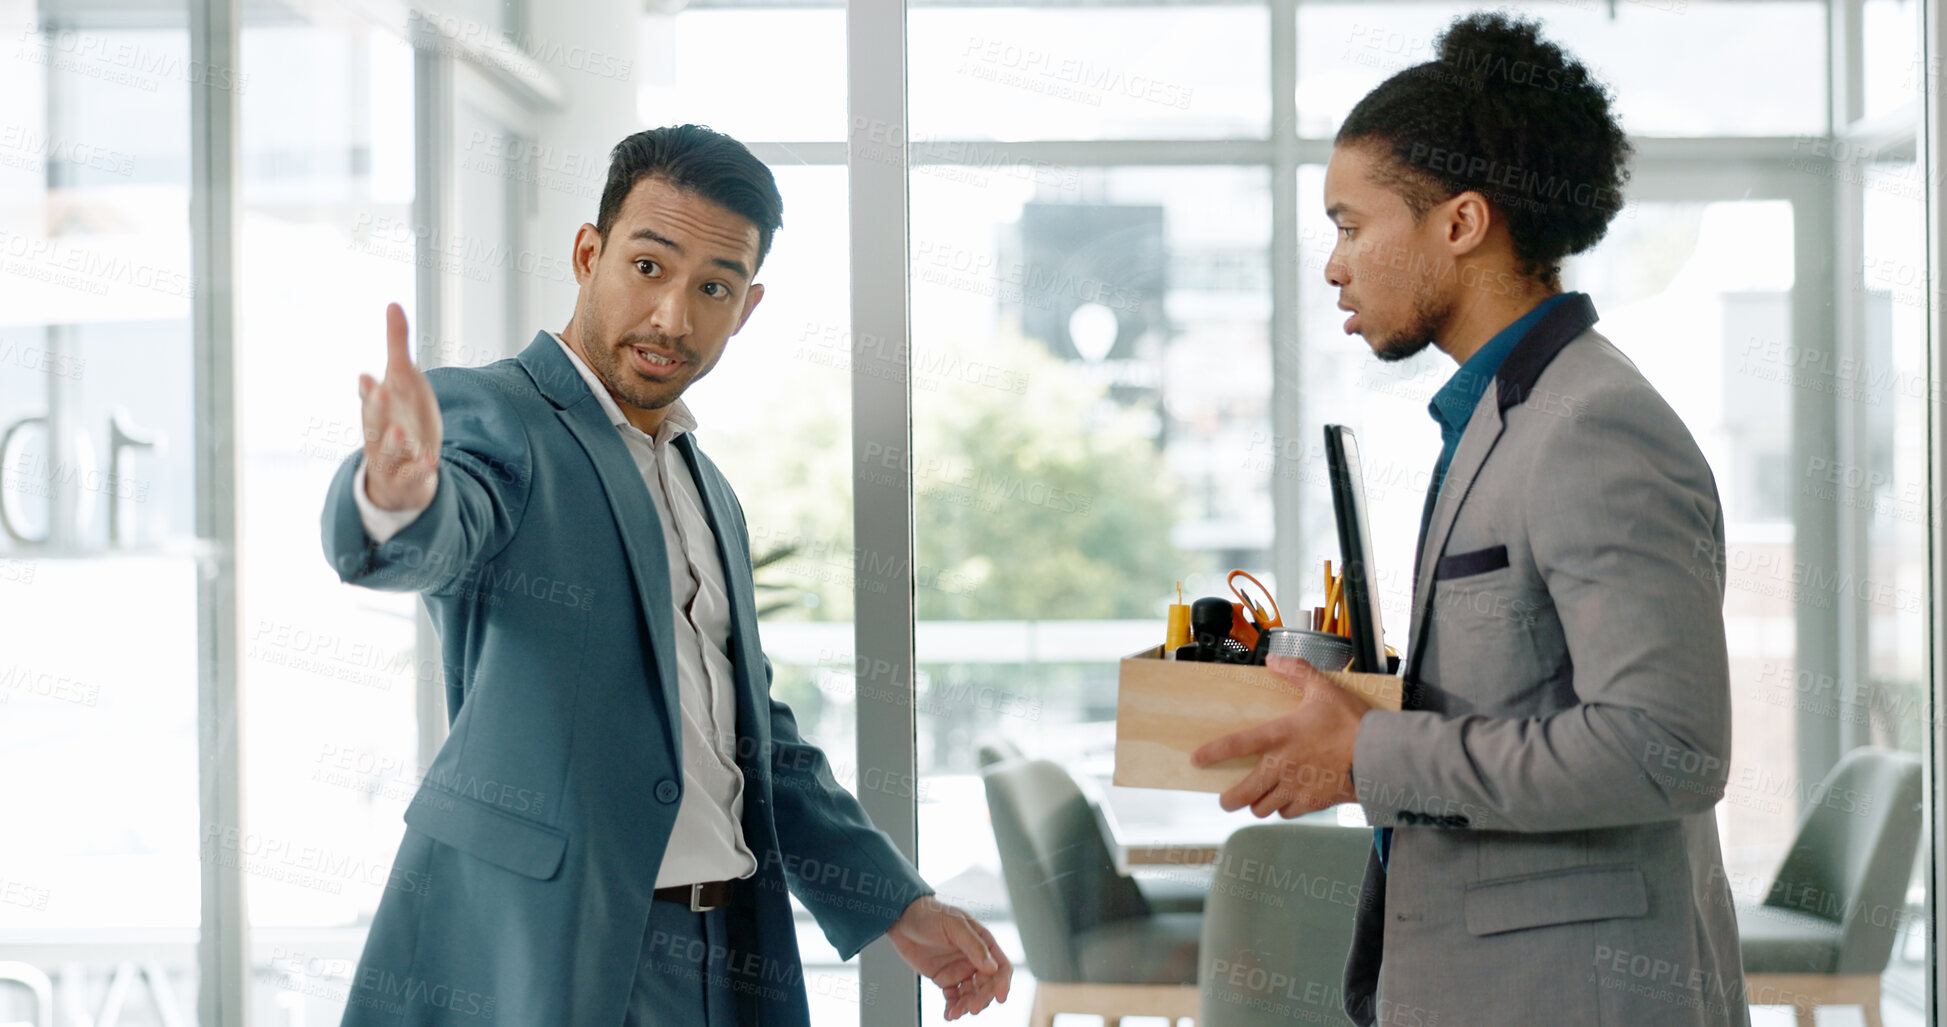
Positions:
(1355, 549)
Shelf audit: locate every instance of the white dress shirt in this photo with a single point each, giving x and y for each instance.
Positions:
(707, 841)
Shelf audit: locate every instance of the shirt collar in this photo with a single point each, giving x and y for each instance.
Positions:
(676, 421)
(1454, 404)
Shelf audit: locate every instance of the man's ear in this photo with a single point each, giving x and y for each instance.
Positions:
(750, 303)
(1468, 219)
(588, 249)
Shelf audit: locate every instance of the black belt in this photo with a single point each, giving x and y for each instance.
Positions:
(701, 898)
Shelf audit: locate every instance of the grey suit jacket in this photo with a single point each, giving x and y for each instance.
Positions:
(1555, 857)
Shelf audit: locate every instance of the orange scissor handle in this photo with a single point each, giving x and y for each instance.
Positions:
(1277, 618)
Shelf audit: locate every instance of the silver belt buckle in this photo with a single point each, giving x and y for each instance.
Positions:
(696, 899)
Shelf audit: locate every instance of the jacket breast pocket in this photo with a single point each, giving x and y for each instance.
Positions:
(1567, 896)
(1463, 565)
(479, 830)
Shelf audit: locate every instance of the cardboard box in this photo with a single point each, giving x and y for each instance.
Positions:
(1166, 710)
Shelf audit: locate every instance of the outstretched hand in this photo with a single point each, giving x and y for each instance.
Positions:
(948, 946)
(402, 426)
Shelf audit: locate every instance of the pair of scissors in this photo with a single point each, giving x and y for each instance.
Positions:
(1276, 620)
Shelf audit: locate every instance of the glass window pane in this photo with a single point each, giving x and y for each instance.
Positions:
(1762, 64)
(790, 78)
(99, 569)
(1893, 68)
(1091, 366)
(328, 673)
(1091, 73)
(1886, 492)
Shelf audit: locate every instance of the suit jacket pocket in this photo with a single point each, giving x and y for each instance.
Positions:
(1480, 561)
(482, 831)
(1555, 897)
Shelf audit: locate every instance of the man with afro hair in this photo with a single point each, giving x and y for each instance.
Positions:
(1545, 849)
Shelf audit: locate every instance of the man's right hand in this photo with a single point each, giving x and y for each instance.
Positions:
(402, 427)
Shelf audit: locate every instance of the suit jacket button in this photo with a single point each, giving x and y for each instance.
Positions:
(666, 792)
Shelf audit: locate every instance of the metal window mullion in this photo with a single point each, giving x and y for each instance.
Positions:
(435, 306)
(1814, 414)
(1288, 560)
(1852, 544)
(1933, 156)
(222, 951)
(1760, 153)
(882, 485)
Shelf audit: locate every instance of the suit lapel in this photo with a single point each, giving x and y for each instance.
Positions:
(719, 505)
(1511, 386)
(1483, 430)
(628, 500)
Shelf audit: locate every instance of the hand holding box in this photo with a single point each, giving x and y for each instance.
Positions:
(1166, 710)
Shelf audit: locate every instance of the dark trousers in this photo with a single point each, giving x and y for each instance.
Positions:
(684, 979)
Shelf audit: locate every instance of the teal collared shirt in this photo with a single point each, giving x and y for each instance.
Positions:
(1452, 407)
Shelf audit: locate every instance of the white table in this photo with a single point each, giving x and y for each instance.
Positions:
(1154, 827)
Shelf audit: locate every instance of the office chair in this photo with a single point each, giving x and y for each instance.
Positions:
(1093, 943)
(1826, 930)
(1278, 925)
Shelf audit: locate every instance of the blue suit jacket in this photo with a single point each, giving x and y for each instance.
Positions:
(521, 890)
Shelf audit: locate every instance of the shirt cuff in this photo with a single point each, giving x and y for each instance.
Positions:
(380, 525)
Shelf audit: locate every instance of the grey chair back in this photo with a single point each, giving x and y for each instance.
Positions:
(1278, 925)
(1061, 878)
(1000, 750)
(1853, 856)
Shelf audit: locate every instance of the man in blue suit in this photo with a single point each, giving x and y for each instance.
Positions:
(609, 833)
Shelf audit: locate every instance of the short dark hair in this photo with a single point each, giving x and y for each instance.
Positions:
(708, 163)
(1504, 113)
